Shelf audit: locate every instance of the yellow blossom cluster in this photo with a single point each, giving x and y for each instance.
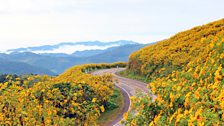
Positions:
(191, 94)
(72, 98)
(162, 58)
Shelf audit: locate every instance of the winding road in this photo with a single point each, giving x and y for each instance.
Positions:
(128, 88)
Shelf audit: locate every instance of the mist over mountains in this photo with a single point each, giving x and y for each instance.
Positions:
(71, 47)
(54, 59)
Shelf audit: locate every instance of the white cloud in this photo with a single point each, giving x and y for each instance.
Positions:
(71, 49)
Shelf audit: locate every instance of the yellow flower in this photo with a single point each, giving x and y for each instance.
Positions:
(153, 88)
(171, 118)
(151, 124)
(156, 119)
(42, 90)
(94, 99)
(186, 103)
(125, 116)
(218, 76)
(188, 94)
(102, 108)
(179, 116)
(133, 123)
(1, 117)
(8, 123)
(48, 121)
(171, 104)
(198, 115)
(222, 105)
(49, 112)
(201, 123)
(196, 95)
(171, 97)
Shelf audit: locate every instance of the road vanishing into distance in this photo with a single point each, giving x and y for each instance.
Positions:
(128, 88)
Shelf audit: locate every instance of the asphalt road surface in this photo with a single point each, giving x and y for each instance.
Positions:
(128, 88)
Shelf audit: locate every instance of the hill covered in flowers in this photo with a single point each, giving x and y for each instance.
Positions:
(72, 98)
(186, 73)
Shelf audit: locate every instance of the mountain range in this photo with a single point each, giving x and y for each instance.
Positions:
(47, 59)
(71, 47)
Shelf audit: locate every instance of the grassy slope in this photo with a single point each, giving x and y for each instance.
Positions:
(132, 75)
(109, 115)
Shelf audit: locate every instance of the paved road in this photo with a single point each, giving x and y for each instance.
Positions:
(128, 88)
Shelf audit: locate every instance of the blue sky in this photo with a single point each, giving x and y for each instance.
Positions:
(36, 22)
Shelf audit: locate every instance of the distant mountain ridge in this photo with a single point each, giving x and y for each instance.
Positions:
(56, 63)
(87, 53)
(68, 47)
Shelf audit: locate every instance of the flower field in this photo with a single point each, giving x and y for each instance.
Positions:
(72, 98)
(186, 73)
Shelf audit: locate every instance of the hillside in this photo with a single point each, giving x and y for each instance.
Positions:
(87, 53)
(173, 53)
(55, 64)
(115, 54)
(72, 98)
(186, 73)
(9, 67)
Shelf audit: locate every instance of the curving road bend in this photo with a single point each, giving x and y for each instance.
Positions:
(128, 88)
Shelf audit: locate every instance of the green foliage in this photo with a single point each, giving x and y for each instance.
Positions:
(111, 104)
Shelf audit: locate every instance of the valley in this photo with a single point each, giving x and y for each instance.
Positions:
(56, 63)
